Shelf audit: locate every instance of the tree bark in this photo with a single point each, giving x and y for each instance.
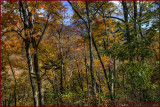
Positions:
(91, 53)
(114, 74)
(86, 67)
(31, 73)
(15, 81)
(87, 23)
(140, 20)
(22, 10)
(125, 13)
(100, 87)
(135, 17)
(109, 66)
(61, 58)
(38, 75)
(80, 78)
(104, 70)
(61, 62)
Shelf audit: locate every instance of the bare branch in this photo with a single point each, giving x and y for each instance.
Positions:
(43, 74)
(115, 18)
(51, 82)
(98, 9)
(19, 33)
(77, 13)
(102, 11)
(43, 31)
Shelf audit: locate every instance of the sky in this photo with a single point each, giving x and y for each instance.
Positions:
(69, 11)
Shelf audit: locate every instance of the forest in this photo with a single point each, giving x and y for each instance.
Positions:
(79, 53)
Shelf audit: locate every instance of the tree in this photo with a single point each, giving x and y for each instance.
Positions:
(29, 18)
(107, 52)
(88, 23)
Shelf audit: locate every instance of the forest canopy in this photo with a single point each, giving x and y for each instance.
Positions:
(79, 53)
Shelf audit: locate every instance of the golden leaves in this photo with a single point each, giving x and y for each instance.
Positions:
(33, 51)
(81, 4)
(34, 35)
(105, 60)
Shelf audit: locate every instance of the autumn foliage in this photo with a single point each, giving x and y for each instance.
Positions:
(74, 53)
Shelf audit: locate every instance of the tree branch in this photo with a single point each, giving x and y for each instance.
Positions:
(115, 18)
(14, 31)
(43, 74)
(77, 13)
(98, 9)
(43, 32)
(51, 82)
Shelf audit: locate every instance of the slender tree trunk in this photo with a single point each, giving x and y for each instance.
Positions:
(114, 74)
(80, 78)
(61, 67)
(91, 53)
(10, 99)
(81, 83)
(140, 20)
(5, 102)
(109, 66)
(31, 73)
(61, 62)
(135, 17)
(86, 67)
(99, 79)
(104, 70)
(15, 81)
(57, 90)
(110, 87)
(38, 75)
(26, 22)
(104, 44)
(125, 13)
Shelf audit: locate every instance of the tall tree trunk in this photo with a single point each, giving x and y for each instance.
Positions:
(80, 83)
(91, 53)
(114, 74)
(99, 79)
(61, 85)
(31, 73)
(135, 17)
(38, 75)
(104, 70)
(15, 81)
(86, 67)
(80, 78)
(109, 66)
(140, 20)
(25, 20)
(125, 13)
(61, 62)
